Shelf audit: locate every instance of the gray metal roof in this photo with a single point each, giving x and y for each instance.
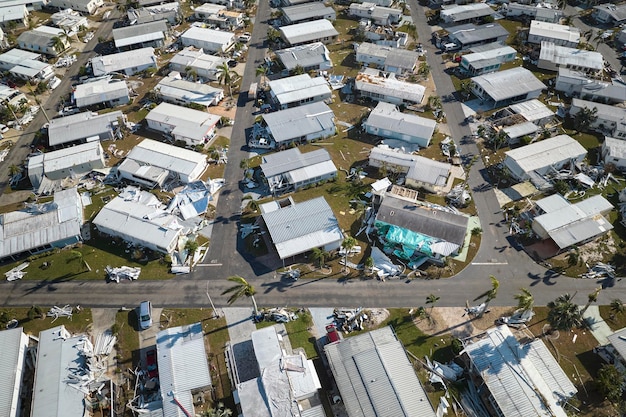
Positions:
(183, 367)
(580, 231)
(57, 351)
(571, 57)
(162, 155)
(13, 344)
(309, 55)
(193, 58)
(307, 11)
(107, 64)
(430, 172)
(383, 87)
(375, 376)
(546, 153)
(308, 31)
(470, 33)
(605, 111)
(618, 340)
(457, 13)
(617, 12)
(296, 122)
(426, 221)
(40, 38)
(387, 117)
(615, 148)
(144, 32)
(521, 129)
(46, 224)
(524, 380)
(100, 91)
(554, 31)
(509, 83)
(299, 88)
(291, 159)
(80, 159)
(302, 226)
(178, 90)
(532, 110)
(402, 58)
(81, 126)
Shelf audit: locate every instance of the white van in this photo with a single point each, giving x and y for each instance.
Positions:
(451, 47)
(145, 315)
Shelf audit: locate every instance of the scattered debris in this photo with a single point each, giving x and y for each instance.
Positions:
(459, 195)
(350, 319)
(599, 270)
(105, 343)
(65, 311)
(17, 272)
(519, 317)
(292, 274)
(279, 315)
(121, 273)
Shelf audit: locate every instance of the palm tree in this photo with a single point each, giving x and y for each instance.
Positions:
(563, 313)
(226, 77)
(584, 118)
(245, 165)
(262, 72)
(57, 44)
(369, 264)
(432, 300)
(617, 308)
(241, 289)
(493, 292)
(348, 243)
(434, 102)
(14, 170)
(424, 69)
(298, 70)
(219, 411)
(80, 257)
(525, 300)
(592, 297)
(319, 254)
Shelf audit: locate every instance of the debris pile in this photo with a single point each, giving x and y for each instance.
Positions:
(123, 272)
(278, 315)
(86, 376)
(105, 343)
(599, 270)
(17, 272)
(459, 195)
(349, 319)
(65, 311)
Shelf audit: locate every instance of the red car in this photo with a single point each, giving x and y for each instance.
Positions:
(151, 363)
(332, 335)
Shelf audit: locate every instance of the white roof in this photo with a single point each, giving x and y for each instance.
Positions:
(209, 8)
(141, 33)
(183, 367)
(178, 115)
(57, 352)
(546, 152)
(387, 116)
(106, 64)
(299, 87)
(137, 216)
(571, 57)
(42, 225)
(524, 380)
(554, 31)
(12, 13)
(194, 58)
(220, 37)
(311, 54)
(521, 129)
(308, 31)
(303, 226)
(616, 147)
(460, 12)
(81, 126)
(371, 82)
(299, 121)
(72, 157)
(162, 155)
(177, 89)
(13, 344)
(419, 168)
(490, 54)
(375, 376)
(509, 83)
(532, 110)
(99, 91)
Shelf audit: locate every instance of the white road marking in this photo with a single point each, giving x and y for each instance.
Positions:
(208, 264)
(490, 263)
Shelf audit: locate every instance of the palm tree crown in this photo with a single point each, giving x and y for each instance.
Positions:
(563, 313)
(525, 300)
(241, 289)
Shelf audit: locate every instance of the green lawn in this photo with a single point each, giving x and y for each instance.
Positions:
(79, 323)
(300, 336)
(125, 328)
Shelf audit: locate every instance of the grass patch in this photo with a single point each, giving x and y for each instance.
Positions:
(127, 347)
(299, 334)
(79, 323)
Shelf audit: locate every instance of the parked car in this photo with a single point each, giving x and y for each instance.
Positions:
(232, 63)
(332, 335)
(244, 37)
(145, 315)
(151, 363)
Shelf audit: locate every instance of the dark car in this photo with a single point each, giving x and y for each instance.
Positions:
(232, 63)
(332, 335)
(151, 364)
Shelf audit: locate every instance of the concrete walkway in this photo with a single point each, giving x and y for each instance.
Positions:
(321, 317)
(240, 328)
(600, 330)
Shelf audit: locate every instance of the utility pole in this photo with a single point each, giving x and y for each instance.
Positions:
(30, 88)
(215, 313)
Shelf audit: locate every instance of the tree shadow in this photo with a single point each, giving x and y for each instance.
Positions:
(49, 284)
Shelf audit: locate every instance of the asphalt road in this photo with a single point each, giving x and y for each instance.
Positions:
(495, 257)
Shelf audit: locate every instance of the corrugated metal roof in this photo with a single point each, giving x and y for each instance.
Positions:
(107, 64)
(616, 147)
(456, 13)
(546, 153)
(521, 129)
(13, 344)
(571, 57)
(430, 172)
(81, 126)
(552, 203)
(375, 377)
(580, 231)
(426, 221)
(493, 54)
(371, 82)
(309, 55)
(387, 117)
(57, 221)
(183, 367)
(308, 31)
(75, 158)
(470, 33)
(568, 215)
(524, 380)
(174, 115)
(190, 57)
(296, 122)
(100, 91)
(162, 155)
(618, 340)
(299, 88)
(509, 83)
(176, 89)
(307, 11)
(302, 226)
(145, 32)
(532, 110)
(554, 31)
(57, 352)
(291, 159)
(220, 37)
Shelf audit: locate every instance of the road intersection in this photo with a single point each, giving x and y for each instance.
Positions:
(496, 256)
